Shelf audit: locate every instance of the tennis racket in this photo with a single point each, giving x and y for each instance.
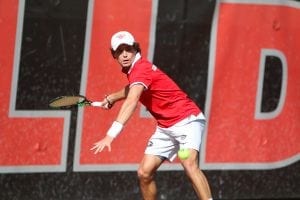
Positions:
(72, 101)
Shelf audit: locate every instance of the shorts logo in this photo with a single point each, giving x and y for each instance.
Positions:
(182, 137)
(150, 144)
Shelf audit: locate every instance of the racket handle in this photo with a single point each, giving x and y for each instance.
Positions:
(97, 104)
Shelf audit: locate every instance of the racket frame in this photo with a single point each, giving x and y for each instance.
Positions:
(83, 102)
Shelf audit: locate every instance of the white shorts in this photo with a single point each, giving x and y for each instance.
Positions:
(165, 142)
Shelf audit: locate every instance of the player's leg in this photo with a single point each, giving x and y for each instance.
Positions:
(189, 135)
(146, 173)
(196, 176)
(159, 148)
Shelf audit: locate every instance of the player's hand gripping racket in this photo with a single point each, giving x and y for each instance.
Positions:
(78, 100)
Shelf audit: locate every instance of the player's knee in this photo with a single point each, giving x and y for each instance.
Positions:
(190, 166)
(144, 175)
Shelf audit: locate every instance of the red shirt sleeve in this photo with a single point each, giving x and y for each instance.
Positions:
(141, 74)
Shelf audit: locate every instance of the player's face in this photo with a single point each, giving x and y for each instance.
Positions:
(125, 55)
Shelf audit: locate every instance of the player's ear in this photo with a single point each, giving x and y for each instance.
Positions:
(137, 47)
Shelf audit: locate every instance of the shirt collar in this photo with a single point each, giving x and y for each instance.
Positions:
(137, 57)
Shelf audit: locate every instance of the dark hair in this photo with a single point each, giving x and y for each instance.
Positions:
(135, 47)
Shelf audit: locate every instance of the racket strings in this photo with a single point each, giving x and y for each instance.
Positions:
(67, 101)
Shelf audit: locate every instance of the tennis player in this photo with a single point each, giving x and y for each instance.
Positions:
(180, 123)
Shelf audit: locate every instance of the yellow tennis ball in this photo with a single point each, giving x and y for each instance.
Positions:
(183, 154)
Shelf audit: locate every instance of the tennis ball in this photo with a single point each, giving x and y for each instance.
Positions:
(183, 154)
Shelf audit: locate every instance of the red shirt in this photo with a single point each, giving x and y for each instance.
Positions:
(167, 103)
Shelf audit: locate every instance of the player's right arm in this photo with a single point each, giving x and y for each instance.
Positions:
(110, 99)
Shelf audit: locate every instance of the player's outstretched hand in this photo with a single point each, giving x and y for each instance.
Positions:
(100, 145)
(102, 104)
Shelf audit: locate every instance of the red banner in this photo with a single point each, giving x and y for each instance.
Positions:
(238, 135)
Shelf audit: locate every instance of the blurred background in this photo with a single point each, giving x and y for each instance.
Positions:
(236, 59)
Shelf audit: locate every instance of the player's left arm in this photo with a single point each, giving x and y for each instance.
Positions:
(127, 109)
(130, 103)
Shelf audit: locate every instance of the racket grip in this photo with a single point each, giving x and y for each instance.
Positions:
(97, 104)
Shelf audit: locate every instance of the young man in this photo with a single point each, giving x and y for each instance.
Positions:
(180, 123)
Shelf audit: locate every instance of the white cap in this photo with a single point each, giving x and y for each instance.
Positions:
(122, 37)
